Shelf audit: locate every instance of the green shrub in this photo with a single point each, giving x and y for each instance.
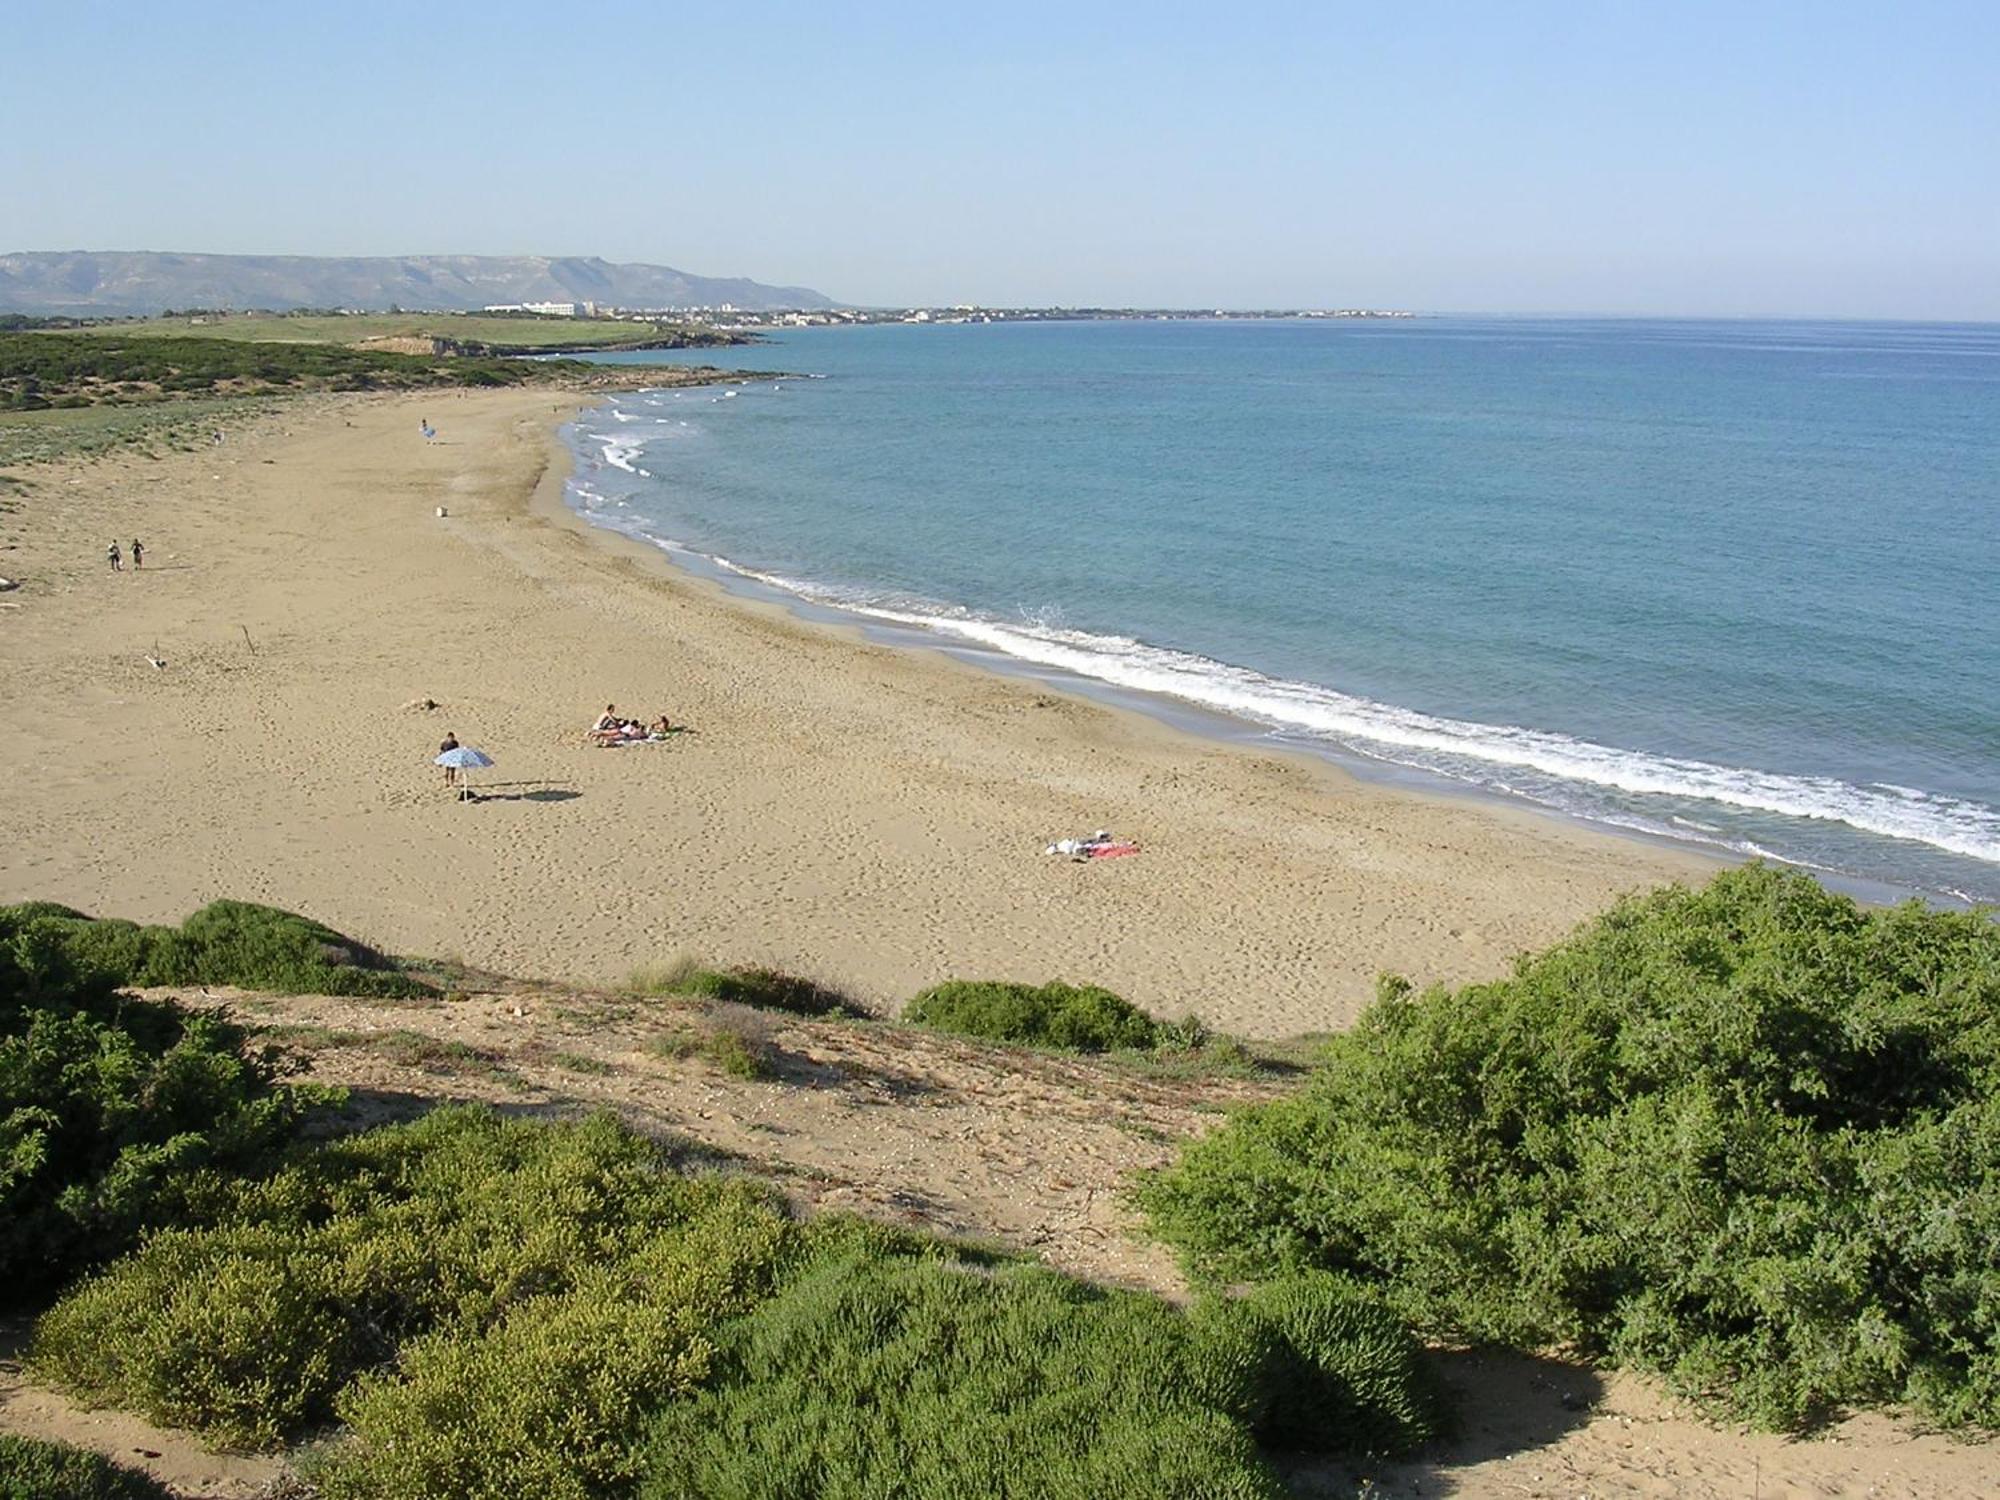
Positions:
(934, 1383)
(35, 1470)
(1742, 1135)
(738, 1055)
(1343, 1364)
(500, 1307)
(56, 956)
(767, 989)
(247, 1325)
(102, 1116)
(1079, 1018)
(239, 1334)
(64, 364)
(926, 1378)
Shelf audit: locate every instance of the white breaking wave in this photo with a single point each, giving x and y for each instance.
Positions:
(1455, 746)
(618, 452)
(1481, 753)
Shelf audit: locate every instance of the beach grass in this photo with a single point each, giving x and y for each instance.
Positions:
(159, 427)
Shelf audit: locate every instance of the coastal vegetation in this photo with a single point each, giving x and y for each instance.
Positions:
(35, 1470)
(154, 428)
(494, 1306)
(464, 333)
(1079, 1018)
(54, 951)
(767, 989)
(40, 371)
(476, 1306)
(107, 1101)
(1742, 1135)
(1739, 1135)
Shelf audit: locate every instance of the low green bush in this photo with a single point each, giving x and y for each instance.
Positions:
(58, 956)
(1340, 1362)
(767, 989)
(1743, 1135)
(496, 1308)
(107, 1101)
(740, 1056)
(240, 1334)
(448, 1242)
(34, 1470)
(933, 1381)
(1077, 1018)
(101, 1118)
(552, 1398)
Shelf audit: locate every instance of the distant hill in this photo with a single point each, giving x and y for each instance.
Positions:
(87, 282)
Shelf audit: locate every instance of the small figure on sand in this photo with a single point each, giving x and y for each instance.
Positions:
(1100, 845)
(430, 433)
(138, 554)
(117, 559)
(450, 744)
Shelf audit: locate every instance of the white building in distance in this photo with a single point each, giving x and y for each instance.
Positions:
(546, 309)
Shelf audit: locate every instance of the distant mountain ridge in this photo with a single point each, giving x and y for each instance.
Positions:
(52, 283)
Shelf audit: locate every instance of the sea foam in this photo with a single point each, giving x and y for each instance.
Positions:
(1463, 749)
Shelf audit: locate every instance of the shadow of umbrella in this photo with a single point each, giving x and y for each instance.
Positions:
(464, 760)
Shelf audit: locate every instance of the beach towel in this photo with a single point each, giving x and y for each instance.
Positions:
(1100, 845)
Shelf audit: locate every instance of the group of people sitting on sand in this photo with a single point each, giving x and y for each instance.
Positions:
(610, 729)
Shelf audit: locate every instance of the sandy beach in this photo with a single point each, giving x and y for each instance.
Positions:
(869, 815)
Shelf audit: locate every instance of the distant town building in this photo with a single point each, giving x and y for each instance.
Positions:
(546, 309)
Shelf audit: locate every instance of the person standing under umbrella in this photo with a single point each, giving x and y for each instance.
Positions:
(462, 761)
(450, 744)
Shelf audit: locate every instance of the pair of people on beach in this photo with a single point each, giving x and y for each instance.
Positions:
(117, 559)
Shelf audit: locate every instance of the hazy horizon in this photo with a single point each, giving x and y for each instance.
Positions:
(1796, 161)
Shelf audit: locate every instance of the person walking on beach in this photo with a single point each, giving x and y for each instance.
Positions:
(450, 744)
(138, 554)
(117, 562)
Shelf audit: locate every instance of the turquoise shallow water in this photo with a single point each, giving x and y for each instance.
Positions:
(1723, 582)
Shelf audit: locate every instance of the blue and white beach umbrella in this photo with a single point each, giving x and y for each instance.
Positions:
(463, 759)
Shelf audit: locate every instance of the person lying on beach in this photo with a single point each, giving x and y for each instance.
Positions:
(1100, 845)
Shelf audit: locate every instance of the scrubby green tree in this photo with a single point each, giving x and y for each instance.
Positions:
(1744, 1135)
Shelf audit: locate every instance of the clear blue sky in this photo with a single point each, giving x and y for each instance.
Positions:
(1739, 158)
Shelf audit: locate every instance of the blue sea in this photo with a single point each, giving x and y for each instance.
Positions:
(1729, 583)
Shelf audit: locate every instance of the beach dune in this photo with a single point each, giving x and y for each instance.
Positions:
(870, 815)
